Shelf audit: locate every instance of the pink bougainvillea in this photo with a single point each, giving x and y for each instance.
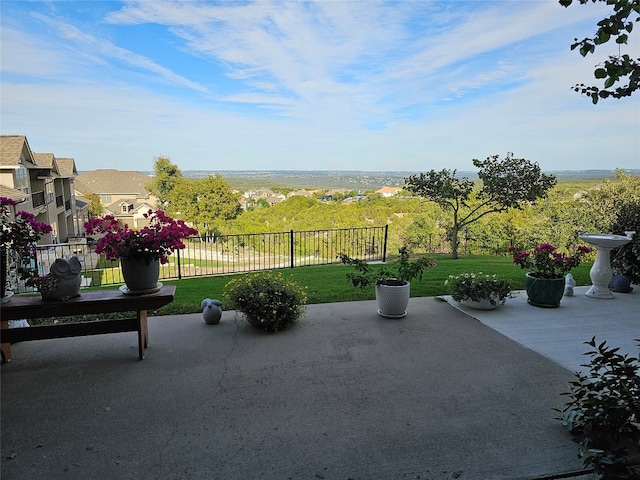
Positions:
(546, 262)
(159, 239)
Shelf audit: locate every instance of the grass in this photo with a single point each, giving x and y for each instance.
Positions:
(328, 284)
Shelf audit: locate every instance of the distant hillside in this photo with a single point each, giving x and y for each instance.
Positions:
(357, 180)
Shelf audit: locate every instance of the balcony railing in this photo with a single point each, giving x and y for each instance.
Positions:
(37, 199)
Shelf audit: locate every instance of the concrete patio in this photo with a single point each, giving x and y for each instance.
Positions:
(345, 394)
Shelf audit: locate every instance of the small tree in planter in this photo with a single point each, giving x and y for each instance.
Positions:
(392, 282)
(269, 300)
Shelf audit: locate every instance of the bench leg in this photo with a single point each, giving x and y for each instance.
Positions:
(6, 352)
(143, 333)
(5, 347)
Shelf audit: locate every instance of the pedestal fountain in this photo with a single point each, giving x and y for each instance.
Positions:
(600, 272)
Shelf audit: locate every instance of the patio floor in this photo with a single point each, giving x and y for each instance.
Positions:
(345, 394)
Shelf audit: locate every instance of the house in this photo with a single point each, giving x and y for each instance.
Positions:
(389, 191)
(113, 186)
(123, 194)
(43, 184)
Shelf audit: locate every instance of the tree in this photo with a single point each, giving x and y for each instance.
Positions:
(618, 68)
(95, 208)
(167, 175)
(508, 183)
(207, 203)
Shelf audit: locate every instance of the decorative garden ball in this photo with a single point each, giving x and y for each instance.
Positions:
(211, 311)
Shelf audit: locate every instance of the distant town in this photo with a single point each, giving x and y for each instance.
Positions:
(355, 180)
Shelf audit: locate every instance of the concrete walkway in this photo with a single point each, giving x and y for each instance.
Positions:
(343, 395)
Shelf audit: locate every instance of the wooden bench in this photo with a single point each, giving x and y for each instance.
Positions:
(90, 302)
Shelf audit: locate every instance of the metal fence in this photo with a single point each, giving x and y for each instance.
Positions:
(226, 254)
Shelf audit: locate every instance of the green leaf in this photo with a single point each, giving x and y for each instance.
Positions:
(622, 39)
(609, 82)
(600, 73)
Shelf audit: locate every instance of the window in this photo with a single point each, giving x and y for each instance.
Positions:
(21, 179)
(49, 192)
(105, 198)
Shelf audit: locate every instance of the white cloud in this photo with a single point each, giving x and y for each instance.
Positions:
(326, 85)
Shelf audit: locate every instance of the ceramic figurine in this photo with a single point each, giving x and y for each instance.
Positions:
(63, 281)
(569, 283)
(211, 311)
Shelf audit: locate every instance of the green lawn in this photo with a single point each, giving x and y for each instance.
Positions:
(328, 284)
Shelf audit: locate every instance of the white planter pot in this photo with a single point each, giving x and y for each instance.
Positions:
(484, 304)
(392, 300)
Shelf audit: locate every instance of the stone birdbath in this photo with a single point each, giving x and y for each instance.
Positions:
(600, 272)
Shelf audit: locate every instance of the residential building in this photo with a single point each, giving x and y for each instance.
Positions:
(43, 184)
(389, 191)
(123, 194)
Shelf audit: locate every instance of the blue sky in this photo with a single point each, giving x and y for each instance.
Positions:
(327, 85)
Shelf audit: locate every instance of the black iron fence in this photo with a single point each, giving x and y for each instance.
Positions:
(225, 254)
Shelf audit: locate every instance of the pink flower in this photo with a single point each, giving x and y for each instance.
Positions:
(545, 261)
(160, 238)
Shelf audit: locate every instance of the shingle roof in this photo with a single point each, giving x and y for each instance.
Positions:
(112, 181)
(66, 167)
(12, 193)
(43, 159)
(11, 147)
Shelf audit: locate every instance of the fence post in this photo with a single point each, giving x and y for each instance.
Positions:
(291, 247)
(179, 268)
(384, 249)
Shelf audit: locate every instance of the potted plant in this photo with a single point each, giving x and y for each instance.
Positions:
(547, 269)
(140, 251)
(478, 290)
(269, 300)
(18, 234)
(392, 283)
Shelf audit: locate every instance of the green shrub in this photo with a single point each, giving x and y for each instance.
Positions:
(604, 413)
(477, 287)
(269, 300)
(625, 260)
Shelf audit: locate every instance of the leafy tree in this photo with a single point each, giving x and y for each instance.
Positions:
(625, 260)
(167, 175)
(601, 202)
(95, 208)
(206, 203)
(508, 183)
(618, 68)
